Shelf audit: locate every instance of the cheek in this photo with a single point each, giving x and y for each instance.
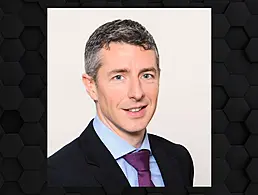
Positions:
(152, 91)
(110, 98)
(116, 92)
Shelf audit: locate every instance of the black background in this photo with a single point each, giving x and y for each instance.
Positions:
(23, 95)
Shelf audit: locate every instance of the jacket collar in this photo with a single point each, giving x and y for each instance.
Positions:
(108, 173)
(165, 156)
(104, 167)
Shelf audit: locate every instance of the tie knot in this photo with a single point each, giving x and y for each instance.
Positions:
(139, 160)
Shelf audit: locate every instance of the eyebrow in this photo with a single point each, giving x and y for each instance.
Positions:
(124, 70)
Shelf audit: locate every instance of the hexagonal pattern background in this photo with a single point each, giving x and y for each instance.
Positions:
(23, 89)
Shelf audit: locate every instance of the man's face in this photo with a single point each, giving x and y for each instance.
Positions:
(127, 87)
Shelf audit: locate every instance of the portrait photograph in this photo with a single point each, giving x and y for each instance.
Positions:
(129, 97)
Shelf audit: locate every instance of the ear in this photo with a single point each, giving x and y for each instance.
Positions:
(90, 86)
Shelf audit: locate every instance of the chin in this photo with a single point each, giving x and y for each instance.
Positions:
(133, 125)
(134, 128)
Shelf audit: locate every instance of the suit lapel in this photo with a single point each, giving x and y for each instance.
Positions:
(108, 173)
(103, 166)
(168, 165)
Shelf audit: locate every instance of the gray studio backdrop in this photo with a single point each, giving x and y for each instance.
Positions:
(183, 115)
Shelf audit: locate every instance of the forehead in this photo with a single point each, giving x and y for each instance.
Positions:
(122, 55)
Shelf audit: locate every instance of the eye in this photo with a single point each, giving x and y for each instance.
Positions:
(148, 76)
(118, 77)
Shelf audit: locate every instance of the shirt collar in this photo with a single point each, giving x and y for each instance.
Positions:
(117, 146)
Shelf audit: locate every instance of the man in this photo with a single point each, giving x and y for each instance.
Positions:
(115, 150)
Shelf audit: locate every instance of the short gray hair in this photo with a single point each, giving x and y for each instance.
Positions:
(119, 31)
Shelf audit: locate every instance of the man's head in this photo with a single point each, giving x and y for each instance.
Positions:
(122, 75)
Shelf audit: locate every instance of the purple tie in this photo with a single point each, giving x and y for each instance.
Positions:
(140, 161)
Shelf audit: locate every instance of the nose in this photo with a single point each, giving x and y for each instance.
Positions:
(135, 90)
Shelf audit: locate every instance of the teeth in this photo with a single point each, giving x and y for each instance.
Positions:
(135, 109)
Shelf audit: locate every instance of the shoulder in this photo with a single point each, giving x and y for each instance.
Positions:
(66, 163)
(178, 152)
(71, 153)
(65, 154)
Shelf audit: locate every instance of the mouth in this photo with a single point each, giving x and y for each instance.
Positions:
(136, 112)
(135, 109)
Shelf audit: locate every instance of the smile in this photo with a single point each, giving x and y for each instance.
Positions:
(135, 109)
(136, 112)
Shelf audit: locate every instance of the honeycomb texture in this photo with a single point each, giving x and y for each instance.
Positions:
(23, 92)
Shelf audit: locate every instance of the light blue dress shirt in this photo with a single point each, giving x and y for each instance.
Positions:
(118, 147)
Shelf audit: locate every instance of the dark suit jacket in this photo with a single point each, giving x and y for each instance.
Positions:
(87, 162)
